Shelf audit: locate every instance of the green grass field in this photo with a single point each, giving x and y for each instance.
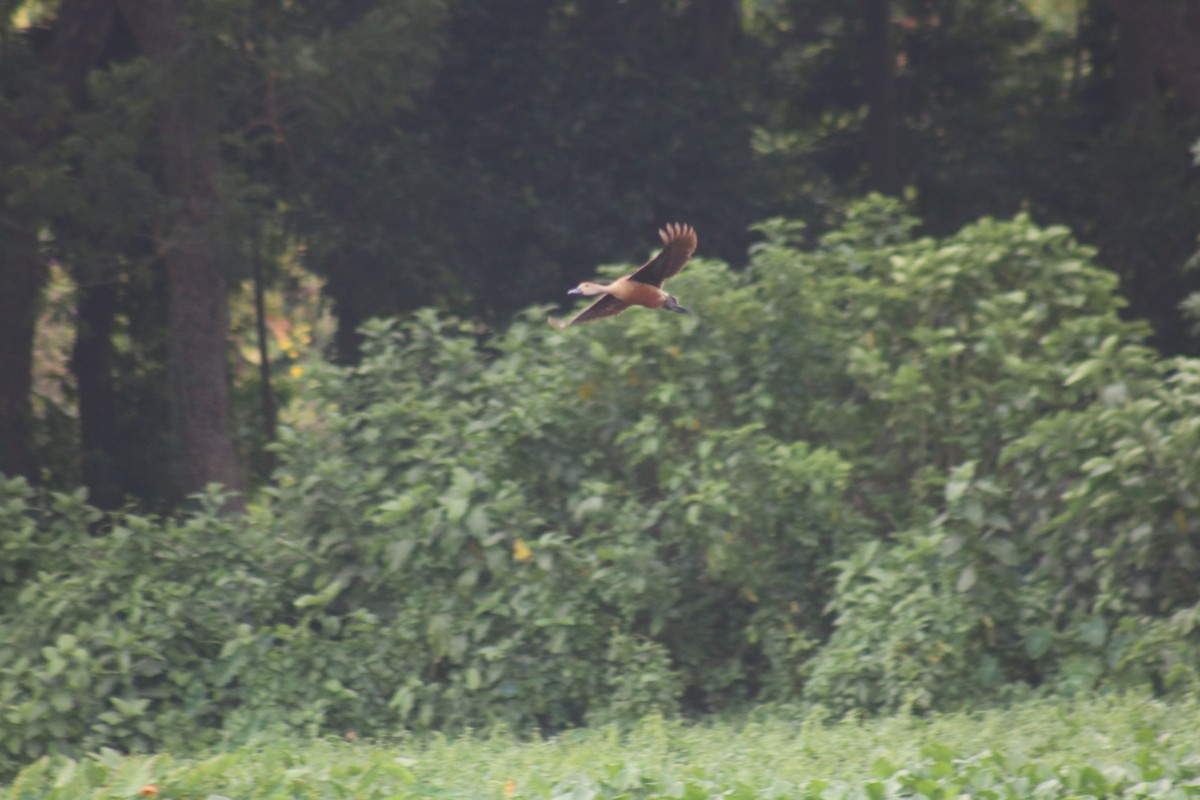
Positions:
(1128, 746)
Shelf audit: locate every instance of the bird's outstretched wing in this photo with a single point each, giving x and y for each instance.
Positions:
(606, 306)
(679, 242)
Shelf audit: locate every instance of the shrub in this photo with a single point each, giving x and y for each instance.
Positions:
(114, 639)
(552, 497)
(1050, 464)
(888, 472)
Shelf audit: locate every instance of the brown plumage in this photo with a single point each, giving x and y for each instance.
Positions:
(642, 287)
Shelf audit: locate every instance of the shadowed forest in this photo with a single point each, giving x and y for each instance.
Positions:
(286, 442)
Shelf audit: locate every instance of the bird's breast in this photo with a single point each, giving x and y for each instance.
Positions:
(636, 293)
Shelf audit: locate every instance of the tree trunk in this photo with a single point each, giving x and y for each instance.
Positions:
(1170, 39)
(92, 365)
(79, 25)
(82, 29)
(1135, 78)
(197, 304)
(717, 26)
(22, 274)
(882, 137)
(198, 323)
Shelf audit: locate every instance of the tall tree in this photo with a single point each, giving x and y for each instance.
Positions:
(1168, 34)
(29, 109)
(555, 134)
(186, 124)
(718, 24)
(22, 273)
(370, 195)
(93, 368)
(81, 39)
(197, 290)
(879, 78)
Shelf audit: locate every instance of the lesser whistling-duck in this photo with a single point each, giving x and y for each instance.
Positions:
(643, 287)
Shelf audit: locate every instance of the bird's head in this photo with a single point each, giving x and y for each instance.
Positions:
(587, 289)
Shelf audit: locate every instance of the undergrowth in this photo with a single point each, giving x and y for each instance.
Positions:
(1116, 746)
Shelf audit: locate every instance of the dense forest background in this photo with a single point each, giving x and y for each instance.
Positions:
(480, 157)
(931, 433)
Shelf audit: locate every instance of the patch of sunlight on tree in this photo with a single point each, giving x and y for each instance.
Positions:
(1057, 15)
(299, 321)
(31, 13)
(53, 382)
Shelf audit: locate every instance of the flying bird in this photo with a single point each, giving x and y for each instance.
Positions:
(643, 287)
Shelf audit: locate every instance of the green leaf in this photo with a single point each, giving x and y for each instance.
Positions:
(321, 598)
(130, 708)
(1094, 631)
(1037, 642)
(966, 579)
(1084, 371)
(587, 506)
(62, 701)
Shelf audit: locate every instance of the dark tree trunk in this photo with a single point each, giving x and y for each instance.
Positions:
(92, 364)
(198, 323)
(1168, 38)
(22, 274)
(197, 304)
(717, 25)
(80, 27)
(348, 307)
(1134, 78)
(882, 127)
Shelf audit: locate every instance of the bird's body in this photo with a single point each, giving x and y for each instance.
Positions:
(643, 287)
(627, 290)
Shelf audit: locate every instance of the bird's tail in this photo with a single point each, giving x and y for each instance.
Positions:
(673, 305)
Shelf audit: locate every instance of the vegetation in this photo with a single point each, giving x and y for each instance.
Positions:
(891, 473)
(1127, 746)
(478, 158)
(286, 444)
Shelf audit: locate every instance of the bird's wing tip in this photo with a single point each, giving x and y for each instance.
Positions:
(675, 230)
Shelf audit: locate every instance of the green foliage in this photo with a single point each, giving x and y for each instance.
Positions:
(114, 639)
(1114, 516)
(890, 472)
(1073, 153)
(1128, 459)
(1101, 748)
(523, 506)
(859, 409)
(905, 638)
(1050, 456)
(455, 153)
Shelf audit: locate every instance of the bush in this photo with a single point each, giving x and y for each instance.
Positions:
(1051, 465)
(888, 472)
(553, 497)
(115, 639)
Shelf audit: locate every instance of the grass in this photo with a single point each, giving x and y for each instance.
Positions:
(1128, 746)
